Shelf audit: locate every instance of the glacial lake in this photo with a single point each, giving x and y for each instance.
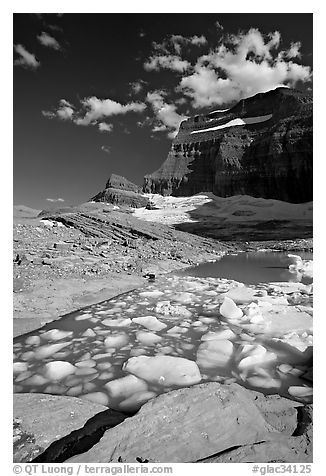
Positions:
(101, 352)
(251, 267)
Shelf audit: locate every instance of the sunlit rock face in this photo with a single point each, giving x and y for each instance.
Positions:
(120, 191)
(260, 147)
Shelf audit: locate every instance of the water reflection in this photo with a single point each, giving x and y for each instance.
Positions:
(252, 268)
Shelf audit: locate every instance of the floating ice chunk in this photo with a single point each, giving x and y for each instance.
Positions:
(150, 322)
(19, 367)
(56, 334)
(106, 376)
(85, 371)
(164, 370)
(151, 294)
(166, 308)
(247, 337)
(195, 286)
(136, 352)
(75, 391)
(134, 402)
(28, 355)
(225, 334)
(285, 368)
(23, 376)
(295, 260)
(163, 350)
(230, 310)
(214, 353)
(299, 342)
(117, 322)
(101, 356)
(48, 350)
(148, 338)
(58, 370)
(253, 312)
(288, 288)
(97, 397)
(116, 341)
(197, 324)
(300, 392)
(33, 340)
(257, 359)
(176, 330)
(124, 387)
(207, 320)
(55, 389)
(83, 317)
(184, 298)
(36, 380)
(264, 382)
(89, 333)
(186, 346)
(241, 294)
(86, 363)
(103, 365)
(269, 302)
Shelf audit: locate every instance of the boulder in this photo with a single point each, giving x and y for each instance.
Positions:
(42, 420)
(184, 425)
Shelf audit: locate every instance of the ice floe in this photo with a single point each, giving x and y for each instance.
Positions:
(214, 353)
(150, 322)
(164, 370)
(230, 310)
(125, 351)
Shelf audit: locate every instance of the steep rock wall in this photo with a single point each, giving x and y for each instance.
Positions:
(269, 159)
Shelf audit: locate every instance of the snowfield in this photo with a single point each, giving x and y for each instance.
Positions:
(237, 122)
(239, 208)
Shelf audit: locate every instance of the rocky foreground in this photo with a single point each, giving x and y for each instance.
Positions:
(208, 423)
(76, 258)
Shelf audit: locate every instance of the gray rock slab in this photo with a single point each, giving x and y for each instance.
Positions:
(184, 425)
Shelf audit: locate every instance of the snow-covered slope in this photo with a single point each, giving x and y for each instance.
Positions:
(240, 208)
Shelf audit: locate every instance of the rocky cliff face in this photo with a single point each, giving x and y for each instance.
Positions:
(260, 147)
(120, 191)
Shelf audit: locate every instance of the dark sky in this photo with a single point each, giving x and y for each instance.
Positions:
(101, 56)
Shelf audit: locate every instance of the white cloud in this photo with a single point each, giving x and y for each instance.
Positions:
(294, 50)
(27, 59)
(166, 114)
(137, 86)
(172, 62)
(47, 40)
(93, 111)
(55, 199)
(48, 114)
(218, 25)
(106, 148)
(104, 127)
(167, 54)
(65, 111)
(99, 108)
(241, 66)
